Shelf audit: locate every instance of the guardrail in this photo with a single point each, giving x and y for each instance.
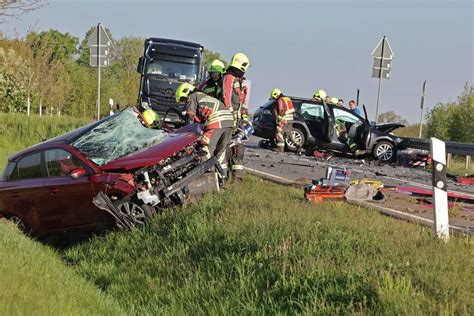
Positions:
(452, 148)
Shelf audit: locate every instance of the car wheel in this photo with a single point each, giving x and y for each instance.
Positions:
(138, 214)
(18, 223)
(298, 136)
(384, 151)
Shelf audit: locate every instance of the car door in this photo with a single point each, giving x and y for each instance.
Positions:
(264, 121)
(315, 118)
(70, 198)
(22, 191)
(354, 125)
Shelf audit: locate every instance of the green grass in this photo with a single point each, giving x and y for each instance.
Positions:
(259, 249)
(18, 131)
(412, 130)
(34, 281)
(458, 166)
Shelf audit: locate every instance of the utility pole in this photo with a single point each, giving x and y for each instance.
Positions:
(98, 72)
(422, 105)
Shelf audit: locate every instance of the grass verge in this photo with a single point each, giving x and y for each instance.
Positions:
(35, 281)
(257, 248)
(19, 131)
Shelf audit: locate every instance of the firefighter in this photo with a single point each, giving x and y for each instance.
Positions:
(319, 95)
(215, 117)
(213, 86)
(283, 114)
(235, 99)
(151, 118)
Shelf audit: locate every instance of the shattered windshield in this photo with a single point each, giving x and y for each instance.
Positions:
(116, 137)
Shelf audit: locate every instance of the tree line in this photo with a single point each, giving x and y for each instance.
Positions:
(453, 121)
(48, 73)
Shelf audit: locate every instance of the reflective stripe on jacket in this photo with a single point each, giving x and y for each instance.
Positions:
(212, 88)
(235, 96)
(208, 111)
(284, 109)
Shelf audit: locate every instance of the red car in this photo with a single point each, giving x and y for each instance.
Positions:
(112, 171)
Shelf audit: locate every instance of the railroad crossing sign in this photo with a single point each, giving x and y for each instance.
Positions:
(383, 56)
(99, 45)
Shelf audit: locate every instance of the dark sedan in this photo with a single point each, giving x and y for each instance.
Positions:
(52, 186)
(318, 125)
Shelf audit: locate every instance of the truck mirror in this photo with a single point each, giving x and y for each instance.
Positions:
(141, 62)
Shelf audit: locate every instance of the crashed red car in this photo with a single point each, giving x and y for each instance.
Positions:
(114, 171)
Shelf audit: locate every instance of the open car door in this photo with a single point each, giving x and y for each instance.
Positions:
(364, 138)
(328, 124)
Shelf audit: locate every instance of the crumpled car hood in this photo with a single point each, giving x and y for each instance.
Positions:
(389, 127)
(152, 155)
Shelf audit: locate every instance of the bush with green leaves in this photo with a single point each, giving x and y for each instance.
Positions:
(453, 121)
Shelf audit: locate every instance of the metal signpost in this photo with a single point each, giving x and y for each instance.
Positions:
(383, 56)
(99, 44)
(422, 105)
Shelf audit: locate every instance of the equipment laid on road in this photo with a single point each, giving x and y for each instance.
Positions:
(413, 158)
(375, 183)
(330, 188)
(429, 193)
(466, 180)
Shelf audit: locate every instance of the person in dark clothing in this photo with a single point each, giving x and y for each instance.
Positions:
(213, 86)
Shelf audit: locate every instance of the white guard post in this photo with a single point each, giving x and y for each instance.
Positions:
(440, 190)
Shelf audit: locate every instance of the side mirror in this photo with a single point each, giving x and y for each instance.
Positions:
(141, 62)
(77, 173)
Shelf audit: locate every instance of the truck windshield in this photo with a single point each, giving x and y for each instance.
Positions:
(173, 70)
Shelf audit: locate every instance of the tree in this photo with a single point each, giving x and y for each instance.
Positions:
(12, 96)
(209, 56)
(391, 117)
(15, 8)
(61, 46)
(453, 121)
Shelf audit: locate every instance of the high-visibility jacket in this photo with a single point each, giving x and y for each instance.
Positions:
(235, 97)
(284, 109)
(208, 111)
(212, 88)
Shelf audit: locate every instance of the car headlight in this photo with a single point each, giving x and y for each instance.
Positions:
(398, 140)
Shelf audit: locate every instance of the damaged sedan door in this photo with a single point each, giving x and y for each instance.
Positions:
(69, 190)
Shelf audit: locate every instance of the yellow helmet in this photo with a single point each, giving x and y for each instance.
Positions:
(183, 91)
(240, 61)
(216, 66)
(320, 94)
(275, 94)
(334, 100)
(151, 118)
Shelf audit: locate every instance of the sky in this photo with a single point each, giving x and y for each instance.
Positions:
(300, 46)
